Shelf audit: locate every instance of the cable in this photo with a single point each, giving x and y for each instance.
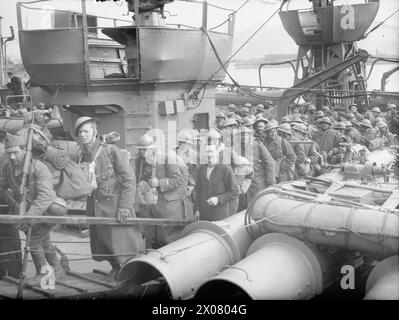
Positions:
(378, 25)
(234, 12)
(239, 49)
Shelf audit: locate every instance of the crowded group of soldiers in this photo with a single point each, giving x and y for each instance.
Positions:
(209, 175)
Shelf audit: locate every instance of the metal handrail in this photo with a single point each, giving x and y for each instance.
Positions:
(21, 4)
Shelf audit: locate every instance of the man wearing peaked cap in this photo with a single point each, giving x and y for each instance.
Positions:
(40, 195)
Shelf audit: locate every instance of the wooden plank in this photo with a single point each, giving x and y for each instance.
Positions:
(67, 285)
(28, 286)
(81, 276)
(13, 219)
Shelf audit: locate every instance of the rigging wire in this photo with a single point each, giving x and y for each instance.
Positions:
(229, 16)
(243, 45)
(379, 25)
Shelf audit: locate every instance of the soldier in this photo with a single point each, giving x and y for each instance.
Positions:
(319, 115)
(353, 109)
(259, 127)
(367, 131)
(376, 115)
(326, 138)
(389, 138)
(341, 154)
(229, 124)
(163, 176)
(352, 133)
(308, 160)
(282, 153)
(295, 111)
(220, 117)
(311, 113)
(260, 108)
(263, 164)
(391, 111)
(115, 185)
(340, 128)
(186, 152)
(248, 122)
(244, 112)
(40, 197)
(216, 192)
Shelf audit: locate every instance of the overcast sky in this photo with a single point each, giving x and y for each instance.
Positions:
(271, 39)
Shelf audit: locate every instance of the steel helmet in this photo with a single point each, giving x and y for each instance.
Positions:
(185, 136)
(311, 107)
(319, 114)
(391, 106)
(238, 118)
(298, 120)
(146, 142)
(380, 124)
(325, 120)
(244, 110)
(229, 122)
(304, 118)
(354, 122)
(300, 127)
(248, 121)
(80, 122)
(340, 125)
(366, 123)
(350, 116)
(348, 123)
(271, 125)
(231, 114)
(376, 109)
(260, 118)
(285, 119)
(221, 115)
(285, 127)
(260, 106)
(58, 207)
(248, 105)
(231, 106)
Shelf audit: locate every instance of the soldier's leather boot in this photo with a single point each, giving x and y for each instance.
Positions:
(53, 261)
(39, 261)
(113, 274)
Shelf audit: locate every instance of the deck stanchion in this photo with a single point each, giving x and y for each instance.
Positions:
(24, 264)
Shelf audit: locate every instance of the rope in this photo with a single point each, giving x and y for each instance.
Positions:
(229, 16)
(378, 25)
(239, 49)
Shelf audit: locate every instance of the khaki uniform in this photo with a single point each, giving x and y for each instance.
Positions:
(116, 185)
(173, 202)
(284, 157)
(40, 196)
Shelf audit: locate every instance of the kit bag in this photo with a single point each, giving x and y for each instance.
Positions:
(145, 194)
(72, 182)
